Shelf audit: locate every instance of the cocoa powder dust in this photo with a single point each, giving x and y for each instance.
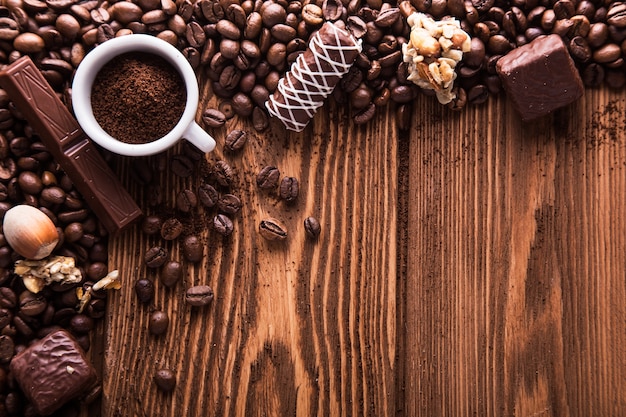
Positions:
(138, 97)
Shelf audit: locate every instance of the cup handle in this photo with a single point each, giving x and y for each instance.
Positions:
(199, 137)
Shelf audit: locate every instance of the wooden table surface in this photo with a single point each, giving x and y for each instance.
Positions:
(474, 265)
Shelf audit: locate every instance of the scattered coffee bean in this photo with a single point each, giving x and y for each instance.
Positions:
(144, 289)
(289, 189)
(236, 140)
(193, 249)
(151, 225)
(223, 225)
(312, 227)
(213, 118)
(186, 200)
(182, 166)
(229, 204)
(268, 177)
(165, 380)
(272, 229)
(171, 228)
(7, 349)
(171, 273)
(223, 173)
(199, 295)
(158, 323)
(207, 195)
(155, 257)
(81, 324)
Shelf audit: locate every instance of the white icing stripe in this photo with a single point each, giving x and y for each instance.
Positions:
(304, 88)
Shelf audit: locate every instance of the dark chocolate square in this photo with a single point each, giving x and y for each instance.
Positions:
(52, 371)
(540, 77)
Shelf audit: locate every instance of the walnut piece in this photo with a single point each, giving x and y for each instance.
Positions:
(36, 274)
(433, 51)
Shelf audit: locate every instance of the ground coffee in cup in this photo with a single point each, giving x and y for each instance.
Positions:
(138, 97)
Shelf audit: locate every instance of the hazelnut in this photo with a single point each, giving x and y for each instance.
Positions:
(30, 232)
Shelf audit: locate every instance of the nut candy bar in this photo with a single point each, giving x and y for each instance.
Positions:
(53, 371)
(540, 77)
(69, 145)
(313, 76)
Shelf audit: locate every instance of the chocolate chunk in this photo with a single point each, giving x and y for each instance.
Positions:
(540, 77)
(53, 371)
(69, 145)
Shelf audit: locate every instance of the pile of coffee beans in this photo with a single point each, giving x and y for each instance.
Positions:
(245, 46)
(29, 175)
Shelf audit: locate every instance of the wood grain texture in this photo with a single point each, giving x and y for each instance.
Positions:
(298, 327)
(515, 282)
(471, 266)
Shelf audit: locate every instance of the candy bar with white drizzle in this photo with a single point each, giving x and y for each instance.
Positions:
(313, 76)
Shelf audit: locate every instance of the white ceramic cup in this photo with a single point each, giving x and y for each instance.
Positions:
(86, 72)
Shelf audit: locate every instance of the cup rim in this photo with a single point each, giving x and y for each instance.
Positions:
(90, 66)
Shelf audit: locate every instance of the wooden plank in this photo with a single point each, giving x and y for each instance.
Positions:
(297, 327)
(515, 282)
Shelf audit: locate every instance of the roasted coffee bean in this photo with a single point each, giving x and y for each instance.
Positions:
(312, 227)
(207, 195)
(213, 118)
(151, 225)
(96, 308)
(158, 323)
(97, 270)
(223, 173)
(260, 119)
(579, 49)
(7, 349)
(607, 53)
(242, 104)
(5, 317)
(236, 140)
(478, 94)
(403, 116)
(8, 298)
(223, 224)
(171, 273)
(73, 232)
(229, 204)
(186, 201)
(155, 257)
(272, 229)
(182, 166)
(165, 380)
(53, 195)
(226, 107)
(273, 14)
(171, 228)
(193, 249)
(144, 289)
(268, 177)
(30, 182)
(32, 304)
(365, 115)
(199, 295)
(23, 327)
(81, 324)
(289, 189)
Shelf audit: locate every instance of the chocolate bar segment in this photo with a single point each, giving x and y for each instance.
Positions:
(313, 76)
(69, 145)
(53, 371)
(540, 77)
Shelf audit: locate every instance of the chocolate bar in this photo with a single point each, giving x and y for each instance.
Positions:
(53, 371)
(69, 145)
(540, 77)
(313, 76)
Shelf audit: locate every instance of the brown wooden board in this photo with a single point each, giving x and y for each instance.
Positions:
(471, 266)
